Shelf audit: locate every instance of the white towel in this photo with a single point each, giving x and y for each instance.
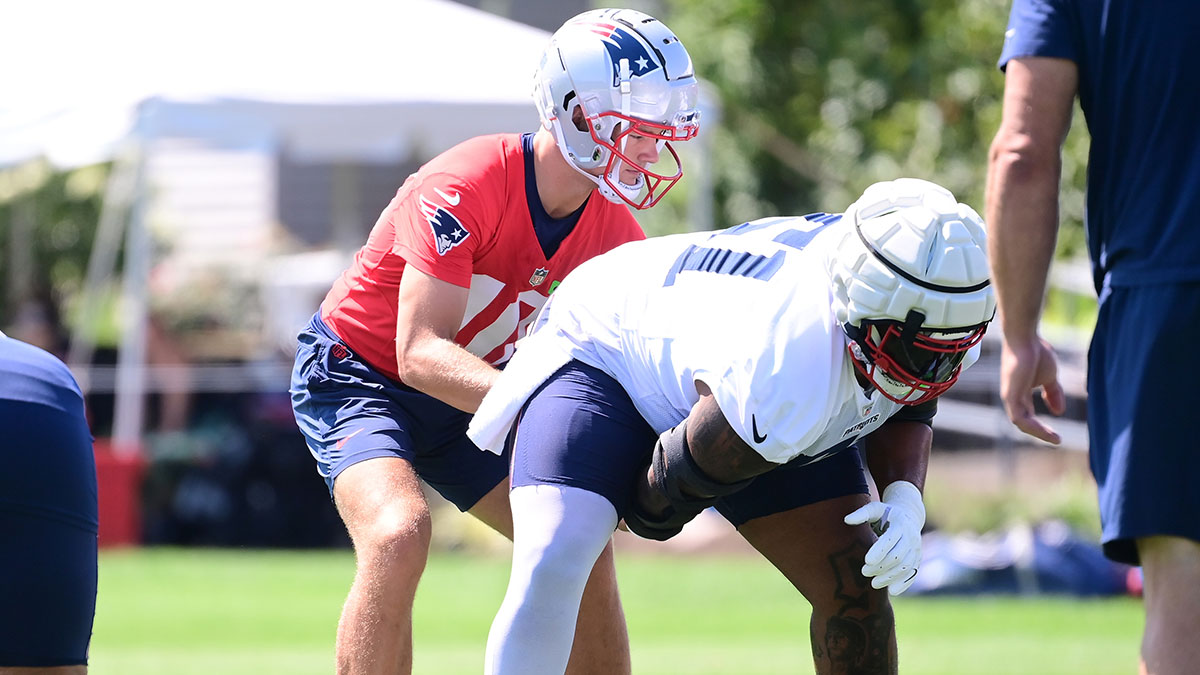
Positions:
(537, 358)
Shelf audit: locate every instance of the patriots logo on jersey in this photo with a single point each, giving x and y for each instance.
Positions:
(448, 231)
(622, 44)
(539, 275)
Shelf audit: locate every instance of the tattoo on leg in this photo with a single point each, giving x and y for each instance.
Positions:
(852, 589)
(859, 635)
(854, 646)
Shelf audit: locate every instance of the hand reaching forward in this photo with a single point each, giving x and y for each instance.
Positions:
(898, 519)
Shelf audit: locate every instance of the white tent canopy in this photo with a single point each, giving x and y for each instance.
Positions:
(79, 76)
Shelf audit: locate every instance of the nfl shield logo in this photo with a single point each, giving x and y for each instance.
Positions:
(866, 409)
(539, 275)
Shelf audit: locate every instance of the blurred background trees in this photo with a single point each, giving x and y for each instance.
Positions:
(822, 98)
(48, 221)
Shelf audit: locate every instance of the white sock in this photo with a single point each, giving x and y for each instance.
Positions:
(558, 532)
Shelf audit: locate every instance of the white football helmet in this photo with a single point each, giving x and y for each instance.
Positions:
(911, 287)
(628, 74)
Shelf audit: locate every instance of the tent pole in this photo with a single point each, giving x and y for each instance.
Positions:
(131, 354)
(101, 263)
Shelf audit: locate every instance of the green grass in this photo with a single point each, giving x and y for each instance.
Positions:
(186, 611)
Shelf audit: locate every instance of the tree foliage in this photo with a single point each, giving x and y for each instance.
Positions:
(48, 221)
(824, 97)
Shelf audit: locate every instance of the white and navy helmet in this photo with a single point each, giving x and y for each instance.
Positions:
(911, 287)
(628, 74)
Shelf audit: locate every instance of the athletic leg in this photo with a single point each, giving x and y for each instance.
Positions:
(381, 502)
(793, 516)
(601, 643)
(579, 442)
(852, 628)
(559, 532)
(1171, 566)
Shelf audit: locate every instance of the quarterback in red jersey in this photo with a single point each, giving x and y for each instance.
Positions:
(459, 221)
(409, 339)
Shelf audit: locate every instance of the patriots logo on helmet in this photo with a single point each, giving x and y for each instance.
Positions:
(623, 44)
(448, 231)
(539, 275)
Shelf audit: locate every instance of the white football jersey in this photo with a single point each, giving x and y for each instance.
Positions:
(745, 310)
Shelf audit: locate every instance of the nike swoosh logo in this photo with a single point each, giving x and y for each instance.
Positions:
(342, 442)
(754, 429)
(452, 201)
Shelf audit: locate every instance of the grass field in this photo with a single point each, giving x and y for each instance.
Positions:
(220, 612)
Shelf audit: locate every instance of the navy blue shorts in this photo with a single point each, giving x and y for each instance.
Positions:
(349, 412)
(581, 429)
(1140, 406)
(48, 526)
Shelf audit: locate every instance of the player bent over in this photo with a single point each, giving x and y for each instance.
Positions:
(751, 369)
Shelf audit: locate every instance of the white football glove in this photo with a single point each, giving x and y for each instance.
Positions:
(898, 520)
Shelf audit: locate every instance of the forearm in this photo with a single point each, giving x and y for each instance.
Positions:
(1022, 217)
(447, 372)
(899, 451)
(1024, 169)
(898, 455)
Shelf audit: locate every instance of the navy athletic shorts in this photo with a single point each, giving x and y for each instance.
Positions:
(1140, 407)
(349, 412)
(48, 525)
(581, 429)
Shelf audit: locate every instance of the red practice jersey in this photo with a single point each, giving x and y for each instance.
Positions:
(463, 218)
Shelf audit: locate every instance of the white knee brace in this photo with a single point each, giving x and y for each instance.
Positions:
(558, 532)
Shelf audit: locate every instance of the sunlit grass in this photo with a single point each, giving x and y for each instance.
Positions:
(184, 612)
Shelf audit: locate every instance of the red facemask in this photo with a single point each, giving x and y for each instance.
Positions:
(911, 369)
(655, 184)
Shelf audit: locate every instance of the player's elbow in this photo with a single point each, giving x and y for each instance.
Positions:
(1021, 158)
(410, 364)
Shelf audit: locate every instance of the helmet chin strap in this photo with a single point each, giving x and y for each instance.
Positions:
(879, 379)
(884, 383)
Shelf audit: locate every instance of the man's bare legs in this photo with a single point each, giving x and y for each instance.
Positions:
(1171, 566)
(381, 503)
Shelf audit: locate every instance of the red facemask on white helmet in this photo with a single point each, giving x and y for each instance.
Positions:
(911, 288)
(629, 76)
